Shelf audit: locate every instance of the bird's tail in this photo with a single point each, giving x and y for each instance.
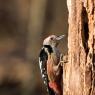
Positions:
(56, 88)
(50, 91)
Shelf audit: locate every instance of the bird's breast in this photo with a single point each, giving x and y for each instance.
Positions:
(51, 62)
(50, 71)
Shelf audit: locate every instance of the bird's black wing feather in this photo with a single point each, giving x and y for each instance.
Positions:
(43, 57)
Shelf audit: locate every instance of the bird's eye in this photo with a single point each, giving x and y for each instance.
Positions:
(51, 38)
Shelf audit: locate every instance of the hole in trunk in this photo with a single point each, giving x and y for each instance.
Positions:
(85, 29)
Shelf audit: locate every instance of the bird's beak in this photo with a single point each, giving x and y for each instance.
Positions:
(60, 37)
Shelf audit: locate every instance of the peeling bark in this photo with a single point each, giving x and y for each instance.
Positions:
(79, 72)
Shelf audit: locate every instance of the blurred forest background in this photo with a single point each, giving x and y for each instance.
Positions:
(23, 26)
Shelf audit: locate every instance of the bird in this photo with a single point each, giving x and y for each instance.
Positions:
(49, 63)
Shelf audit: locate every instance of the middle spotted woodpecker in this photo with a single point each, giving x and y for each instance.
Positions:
(49, 63)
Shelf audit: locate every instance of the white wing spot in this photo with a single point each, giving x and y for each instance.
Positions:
(43, 76)
(40, 64)
(45, 83)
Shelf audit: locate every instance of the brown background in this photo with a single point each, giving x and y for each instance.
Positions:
(23, 26)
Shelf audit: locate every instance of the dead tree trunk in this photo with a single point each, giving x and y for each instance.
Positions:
(79, 72)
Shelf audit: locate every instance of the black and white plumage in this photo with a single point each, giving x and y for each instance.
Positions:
(49, 60)
(43, 67)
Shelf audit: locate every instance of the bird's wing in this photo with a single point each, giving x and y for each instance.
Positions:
(43, 57)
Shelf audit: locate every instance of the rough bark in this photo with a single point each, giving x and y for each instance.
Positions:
(79, 72)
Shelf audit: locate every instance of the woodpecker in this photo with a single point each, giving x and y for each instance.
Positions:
(49, 63)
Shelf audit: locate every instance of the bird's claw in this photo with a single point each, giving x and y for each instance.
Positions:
(61, 60)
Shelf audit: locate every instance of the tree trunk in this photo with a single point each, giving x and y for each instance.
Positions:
(79, 72)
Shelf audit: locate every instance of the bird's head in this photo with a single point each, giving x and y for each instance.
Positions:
(52, 40)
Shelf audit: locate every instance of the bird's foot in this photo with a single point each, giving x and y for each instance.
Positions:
(63, 59)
